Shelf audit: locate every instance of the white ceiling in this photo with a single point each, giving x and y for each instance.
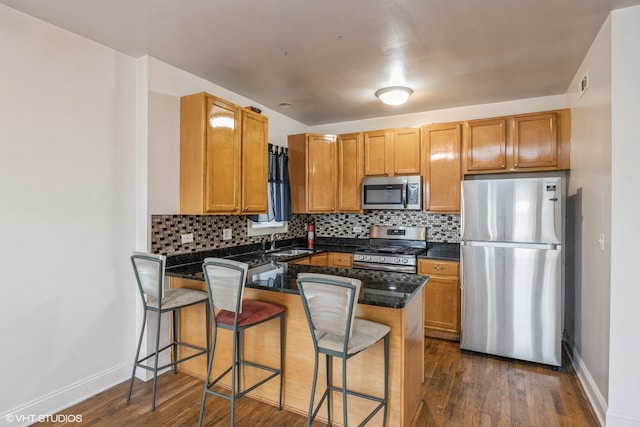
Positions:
(328, 57)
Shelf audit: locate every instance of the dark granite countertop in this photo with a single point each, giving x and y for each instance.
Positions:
(380, 288)
(444, 251)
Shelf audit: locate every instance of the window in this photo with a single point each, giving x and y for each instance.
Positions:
(264, 228)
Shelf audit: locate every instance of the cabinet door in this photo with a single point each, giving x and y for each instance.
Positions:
(535, 141)
(254, 163)
(406, 151)
(485, 146)
(319, 259)
(350, 160)
(442, 304)
(376, 152)
(441, 167)
(223, 157)
(321, 165)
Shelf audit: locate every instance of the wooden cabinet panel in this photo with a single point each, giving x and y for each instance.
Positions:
(485, 145)
(223, 147)
(376, 152)
(312, 173)
(350, 165)
(320, 259)
(535, 141)
(321, 164)
(442, 298)
(406, 151)
(441, 167)
(522, 143)
(255, 164)
(339, 259)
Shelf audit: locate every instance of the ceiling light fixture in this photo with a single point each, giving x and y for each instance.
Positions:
(394, 95)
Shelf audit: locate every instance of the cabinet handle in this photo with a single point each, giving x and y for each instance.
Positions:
(502, 166)
(437, 267)
(516, 165)
(246, 208)
(237, 208)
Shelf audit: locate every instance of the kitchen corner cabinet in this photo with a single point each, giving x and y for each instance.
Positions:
(223, 157)
(441, 167)
(312, 173)
(522, 143)
(442, 298)
(392, 152)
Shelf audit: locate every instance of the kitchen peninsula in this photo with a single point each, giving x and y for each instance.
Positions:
(394, 299)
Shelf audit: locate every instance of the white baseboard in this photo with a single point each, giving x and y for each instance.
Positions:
(596, 399)
(617, 420)
(65, 397)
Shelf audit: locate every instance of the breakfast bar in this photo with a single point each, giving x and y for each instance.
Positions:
(394, 299)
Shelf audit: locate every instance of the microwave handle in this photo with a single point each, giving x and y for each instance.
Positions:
(404, 193)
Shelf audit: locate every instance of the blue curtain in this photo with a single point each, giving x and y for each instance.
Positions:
(279, 208)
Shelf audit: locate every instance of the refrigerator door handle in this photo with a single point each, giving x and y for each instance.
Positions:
(549, 246)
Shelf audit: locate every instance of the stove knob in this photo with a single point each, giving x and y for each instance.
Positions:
(360, 257)
(368, 258)
(397, 259)
(381, 259)
(404, 261)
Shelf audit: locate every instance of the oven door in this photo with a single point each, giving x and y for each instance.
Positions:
(363, 265)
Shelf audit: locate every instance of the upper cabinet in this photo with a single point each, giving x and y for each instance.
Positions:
(312, 173)
(325, 172)
(392, 152)
(528, 142)
(223, 157)
(441, 167)
(350, 158)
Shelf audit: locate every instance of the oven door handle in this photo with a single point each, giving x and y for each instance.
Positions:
(385, 267)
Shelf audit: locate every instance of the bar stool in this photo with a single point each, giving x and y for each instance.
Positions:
(149, 272)
(225, 285)
(330, 305)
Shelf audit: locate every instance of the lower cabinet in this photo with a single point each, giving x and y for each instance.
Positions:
(320, 260)
(442, 298)
(339, 259)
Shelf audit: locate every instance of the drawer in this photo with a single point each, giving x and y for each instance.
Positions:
(438, 267)
(339, 259)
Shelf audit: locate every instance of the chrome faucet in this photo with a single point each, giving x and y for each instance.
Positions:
(274, 237)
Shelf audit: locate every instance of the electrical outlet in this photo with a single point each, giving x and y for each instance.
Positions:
(601, 241)
(186, 238)
(357, 229)
(226, 234)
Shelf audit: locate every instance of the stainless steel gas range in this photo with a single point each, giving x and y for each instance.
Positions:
(392, 249)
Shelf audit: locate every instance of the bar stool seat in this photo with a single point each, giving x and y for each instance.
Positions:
(226, 280)
(330, 305)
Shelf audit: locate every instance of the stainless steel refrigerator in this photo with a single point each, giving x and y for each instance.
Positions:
(512, 268)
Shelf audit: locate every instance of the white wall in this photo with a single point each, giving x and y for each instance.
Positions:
(166, 85)
(588, 278)
(624, 366)
(67, 135)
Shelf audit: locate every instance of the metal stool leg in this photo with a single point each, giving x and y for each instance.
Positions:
(155, 365)
(329, 371)
(135, 361)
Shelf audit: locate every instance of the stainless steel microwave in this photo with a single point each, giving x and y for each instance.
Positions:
(392, 192)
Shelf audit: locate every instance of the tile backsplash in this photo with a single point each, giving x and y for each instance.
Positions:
(207, 229)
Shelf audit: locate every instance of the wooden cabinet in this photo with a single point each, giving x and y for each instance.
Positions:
(320, 259)
(339, 259)
(223, 157)
(442, 298)
(392, 152)
(441, 167)
(312, 173)
(522, 143)
(350, 159)
(325, 173)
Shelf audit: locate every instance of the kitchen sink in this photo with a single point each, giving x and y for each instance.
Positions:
(291, 252)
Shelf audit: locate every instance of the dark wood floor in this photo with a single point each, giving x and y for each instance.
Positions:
(460, 389)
